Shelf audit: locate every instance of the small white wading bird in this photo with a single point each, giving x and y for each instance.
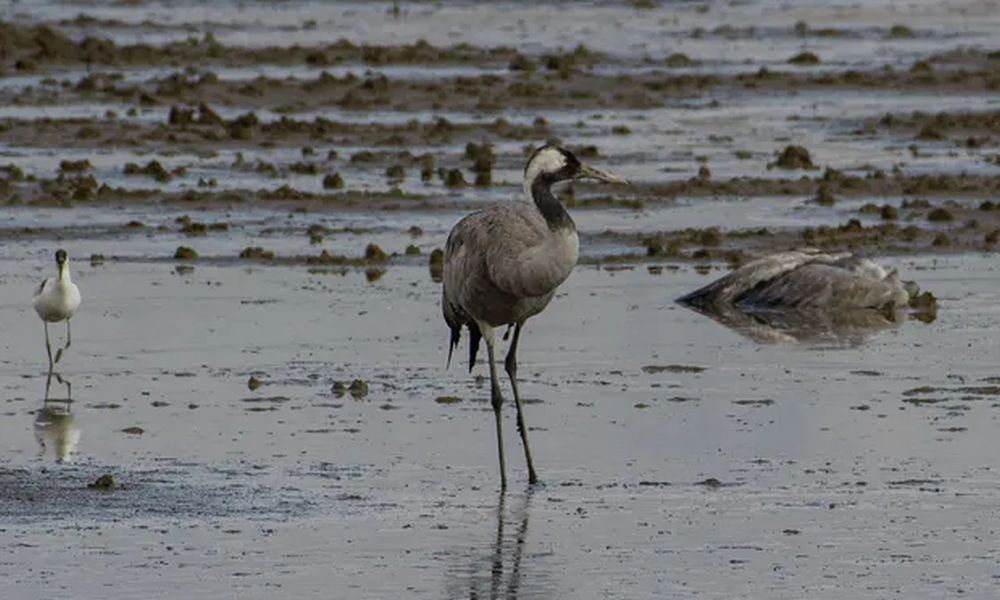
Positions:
(56, 299)
(502, 265)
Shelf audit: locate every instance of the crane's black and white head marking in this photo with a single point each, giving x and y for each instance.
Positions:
(551, 164)
(60, 257)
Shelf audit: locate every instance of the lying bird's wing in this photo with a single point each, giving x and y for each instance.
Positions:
(730, 288)
(829, 286)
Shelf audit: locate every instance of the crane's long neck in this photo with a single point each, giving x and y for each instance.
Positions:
(540, 191)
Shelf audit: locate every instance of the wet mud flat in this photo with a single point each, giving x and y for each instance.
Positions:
(665, 469)
(255, 199)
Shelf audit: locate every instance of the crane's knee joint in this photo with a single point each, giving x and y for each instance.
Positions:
(496, 399)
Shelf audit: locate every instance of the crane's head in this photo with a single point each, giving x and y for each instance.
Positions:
(60, 257)
(552, 164)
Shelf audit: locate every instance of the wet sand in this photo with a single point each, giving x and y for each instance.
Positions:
(251, 204)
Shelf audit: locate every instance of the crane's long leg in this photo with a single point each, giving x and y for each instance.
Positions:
(511, 365)
(496, 399)
(69, 340)
(48, 346)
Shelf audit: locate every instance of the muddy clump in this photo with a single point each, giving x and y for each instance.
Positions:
(436, 265)
(898, 31)
(74, 166)
(924, 306)
(940, 215)
(333, 181)
(185, 253)
(151, 169)
(357, 388)
(824, 196)
(375, 254)
(482, 158)
(793, 157)
(678, 60)
(803, 59)
(453, 178)
(256, 253)
(104, 482)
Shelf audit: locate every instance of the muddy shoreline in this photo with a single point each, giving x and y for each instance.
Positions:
(255, 196)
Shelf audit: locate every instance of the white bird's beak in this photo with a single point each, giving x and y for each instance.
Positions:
(592, 173)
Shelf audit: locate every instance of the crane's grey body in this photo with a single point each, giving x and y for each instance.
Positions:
(806, 280)
(502, 266)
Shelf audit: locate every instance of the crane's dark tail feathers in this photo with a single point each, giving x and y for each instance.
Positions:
(456, 318)
(474, 338)
(456, 334)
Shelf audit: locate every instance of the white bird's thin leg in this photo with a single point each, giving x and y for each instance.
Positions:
(69, 340)
(48, 386)
(511, 365)
(69, 388)
(48, 346)
(496, 399)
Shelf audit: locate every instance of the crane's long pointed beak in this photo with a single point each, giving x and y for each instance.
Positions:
(591, 172)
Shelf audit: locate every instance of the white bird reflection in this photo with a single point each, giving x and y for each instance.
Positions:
(55, 425)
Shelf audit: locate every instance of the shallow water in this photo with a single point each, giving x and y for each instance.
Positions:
(680, 458)
(836, 470)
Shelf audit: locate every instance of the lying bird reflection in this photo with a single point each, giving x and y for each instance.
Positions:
(55, 426)
(806, 296)
(499, 573)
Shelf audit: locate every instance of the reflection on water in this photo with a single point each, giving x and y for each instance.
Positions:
(55, 425)
(496, 571)
(843, 328)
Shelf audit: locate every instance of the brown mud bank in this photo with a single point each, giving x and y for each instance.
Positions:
(827, 188)
(567, 84)
(567, 79)
(85, 190)
(915, 228)
(979, 129)
(203, 128)
(76, 185)
(39, 47)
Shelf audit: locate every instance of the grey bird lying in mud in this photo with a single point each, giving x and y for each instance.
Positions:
(806, 295)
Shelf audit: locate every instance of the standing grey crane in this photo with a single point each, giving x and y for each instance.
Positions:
(502, 265)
